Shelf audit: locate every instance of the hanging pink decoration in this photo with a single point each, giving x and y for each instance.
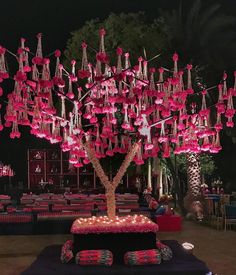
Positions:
(115, 105)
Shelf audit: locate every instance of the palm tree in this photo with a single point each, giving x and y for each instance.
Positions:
(200, 34)
(192, 200)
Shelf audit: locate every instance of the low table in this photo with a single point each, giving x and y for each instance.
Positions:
(126, 233)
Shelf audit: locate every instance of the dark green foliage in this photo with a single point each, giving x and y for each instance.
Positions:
(202, 34)
(207, 164)
(130, 31)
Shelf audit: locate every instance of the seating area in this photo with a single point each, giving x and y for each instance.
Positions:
(54, 213)
(220, 210)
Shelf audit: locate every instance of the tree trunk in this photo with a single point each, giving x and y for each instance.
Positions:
(111, 203)
(193, 174)
(192, 201)
(110, 186)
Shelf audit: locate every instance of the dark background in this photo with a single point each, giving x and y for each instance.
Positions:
(56, 19)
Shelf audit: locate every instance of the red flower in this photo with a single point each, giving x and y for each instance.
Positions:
(175, 57)
(83, 74)
(20, 76)
(57, 53)
(102, 32)
(37, 60)
(119, 51)
(2, 50)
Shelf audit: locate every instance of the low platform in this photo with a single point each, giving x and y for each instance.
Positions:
(48, 263)
(169, 223)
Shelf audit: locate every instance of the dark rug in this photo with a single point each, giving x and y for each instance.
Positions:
(182, 263)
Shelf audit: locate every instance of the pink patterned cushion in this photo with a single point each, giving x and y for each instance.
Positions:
(142, 257)
(94, 257)
(166, 252)
(66, 252)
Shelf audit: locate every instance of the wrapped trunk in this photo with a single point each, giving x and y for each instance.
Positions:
(111, 203)
(192, 200)
(110, 186)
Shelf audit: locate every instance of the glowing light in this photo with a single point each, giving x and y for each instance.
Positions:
(188, 246)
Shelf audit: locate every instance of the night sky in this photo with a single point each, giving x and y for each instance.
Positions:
(56, 19)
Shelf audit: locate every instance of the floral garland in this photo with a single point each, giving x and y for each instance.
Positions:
(96, 164)
(110, 186)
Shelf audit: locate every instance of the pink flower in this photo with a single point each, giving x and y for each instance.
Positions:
(218, 126)
(83, 74)
(148, 146)
(119, 51)
(2, 50)
(84, 45)
(58, 82)
(27, 69)
(86, 161)
(20, 76)
(93, 120)
(57, 53)
(102, 57)
(229, 112)
(175, 57)
(110, 153)
(4, 75)
(189, 66)
(102, 32)
(230, 124)
(70, 95)
(220, 108)
(37, 60)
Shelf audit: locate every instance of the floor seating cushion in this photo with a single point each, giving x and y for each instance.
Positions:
(168, 222)
(165, 251)
(94, 257)
(67, 252)
(143, 257)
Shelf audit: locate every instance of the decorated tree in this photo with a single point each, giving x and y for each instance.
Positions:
(152, 105)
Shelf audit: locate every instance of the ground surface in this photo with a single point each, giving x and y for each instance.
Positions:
(217, 248)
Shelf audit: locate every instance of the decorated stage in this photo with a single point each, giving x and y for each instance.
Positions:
(182, 263)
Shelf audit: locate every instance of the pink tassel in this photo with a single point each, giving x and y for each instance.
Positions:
(175, 59)
(166, 150)
(15, 132)
(3, 71)
(70, 93)
(224, 94)
(127, 61)
(140, 70)
(1, 126)
(204, 111)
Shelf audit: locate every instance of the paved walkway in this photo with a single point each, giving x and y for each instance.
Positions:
(216, 248)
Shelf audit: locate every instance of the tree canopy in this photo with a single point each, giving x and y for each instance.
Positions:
(131, 31)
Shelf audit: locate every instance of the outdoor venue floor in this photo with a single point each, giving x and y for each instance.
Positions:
(215, 247)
